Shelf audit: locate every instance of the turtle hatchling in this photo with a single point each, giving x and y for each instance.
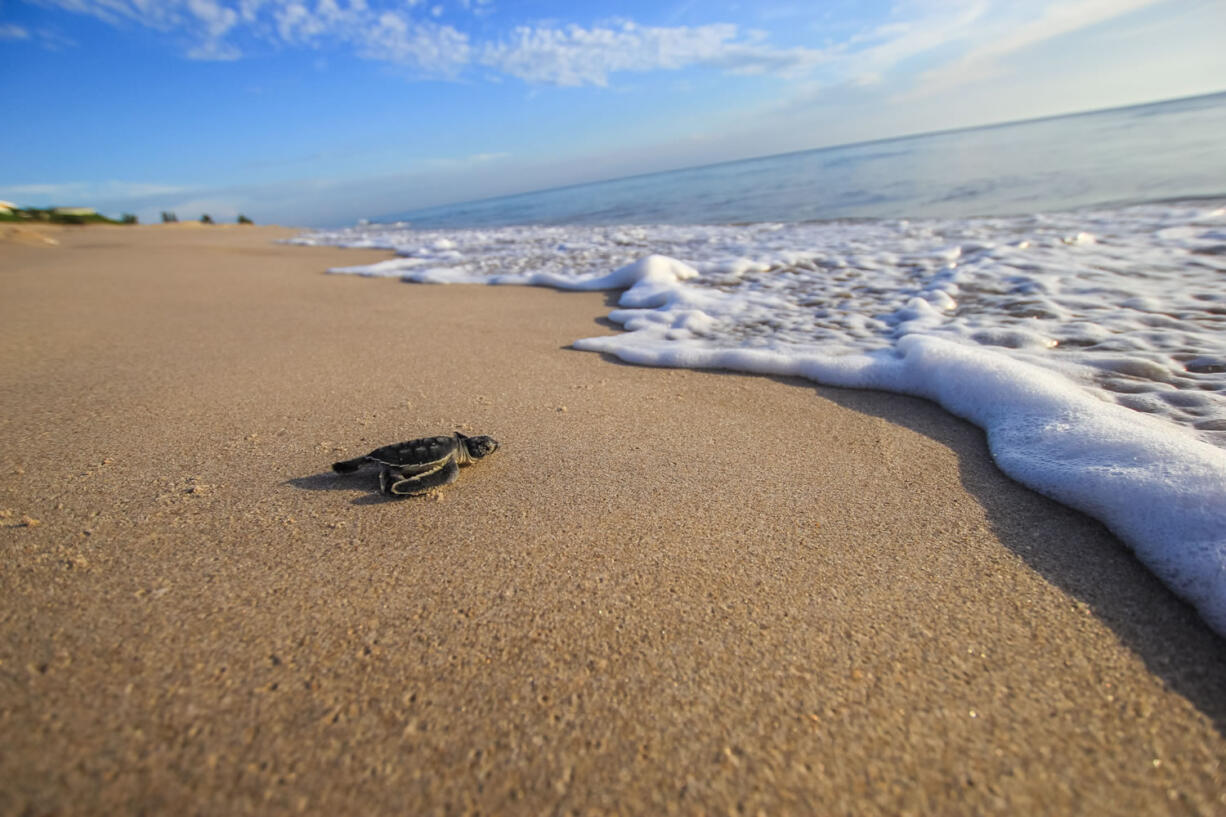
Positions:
(418, 465)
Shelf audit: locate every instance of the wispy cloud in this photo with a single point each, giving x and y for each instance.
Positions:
(425, 45)
(1009, 34)
(463, 161)
(214, 22)
(411, 34)
(971, 38)
(930, 48)
(66, 193)
(573, 55)
(963, 40)
(480, 8)
(915, 29)
(222, 29)
(206, 22)
(48, 38)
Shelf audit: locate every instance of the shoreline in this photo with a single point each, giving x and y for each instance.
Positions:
(658, 596)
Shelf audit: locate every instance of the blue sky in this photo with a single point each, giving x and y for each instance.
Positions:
(320, 112)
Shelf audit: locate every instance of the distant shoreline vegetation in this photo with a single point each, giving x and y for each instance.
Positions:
(60, 215)
(10, 213)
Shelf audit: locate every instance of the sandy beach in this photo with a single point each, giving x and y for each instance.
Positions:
(670, 592)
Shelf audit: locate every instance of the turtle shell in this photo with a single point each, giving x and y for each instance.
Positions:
(424, 451)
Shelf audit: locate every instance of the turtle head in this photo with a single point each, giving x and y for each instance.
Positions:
(478, 447)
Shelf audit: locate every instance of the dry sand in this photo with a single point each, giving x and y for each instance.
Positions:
(669, 592)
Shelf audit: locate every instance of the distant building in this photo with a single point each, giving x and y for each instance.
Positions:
(75, 211)
(7, 207)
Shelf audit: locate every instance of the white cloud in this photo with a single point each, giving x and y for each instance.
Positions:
(573, 55)
(1015, 33)
(430, 47)
(216, 19)
(480, 8)
(48, 38)
(222, 29)
(392, 36)
(971, 38)
(866, 56)
(942, 49)
(409, 33)
(207, 22)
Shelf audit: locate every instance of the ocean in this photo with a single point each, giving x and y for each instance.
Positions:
(1115, 157)
(1061, 283)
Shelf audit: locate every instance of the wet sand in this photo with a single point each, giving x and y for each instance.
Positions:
(670, 592)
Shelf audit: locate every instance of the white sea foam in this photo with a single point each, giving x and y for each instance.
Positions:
(1090, 347)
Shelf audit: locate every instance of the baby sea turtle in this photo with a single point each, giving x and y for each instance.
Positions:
(419, 465)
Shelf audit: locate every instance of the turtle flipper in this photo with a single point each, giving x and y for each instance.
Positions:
(395, 483)
(349, 466)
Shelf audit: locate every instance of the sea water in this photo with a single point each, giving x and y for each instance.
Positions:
(1121, 156)
(1089, 344)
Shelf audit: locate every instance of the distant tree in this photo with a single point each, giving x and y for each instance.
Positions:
(206, 219)
(168, 217)
(242, 219)
(128, 218)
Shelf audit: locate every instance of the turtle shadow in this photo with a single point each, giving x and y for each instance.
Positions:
(323, 481)
(331, 481)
